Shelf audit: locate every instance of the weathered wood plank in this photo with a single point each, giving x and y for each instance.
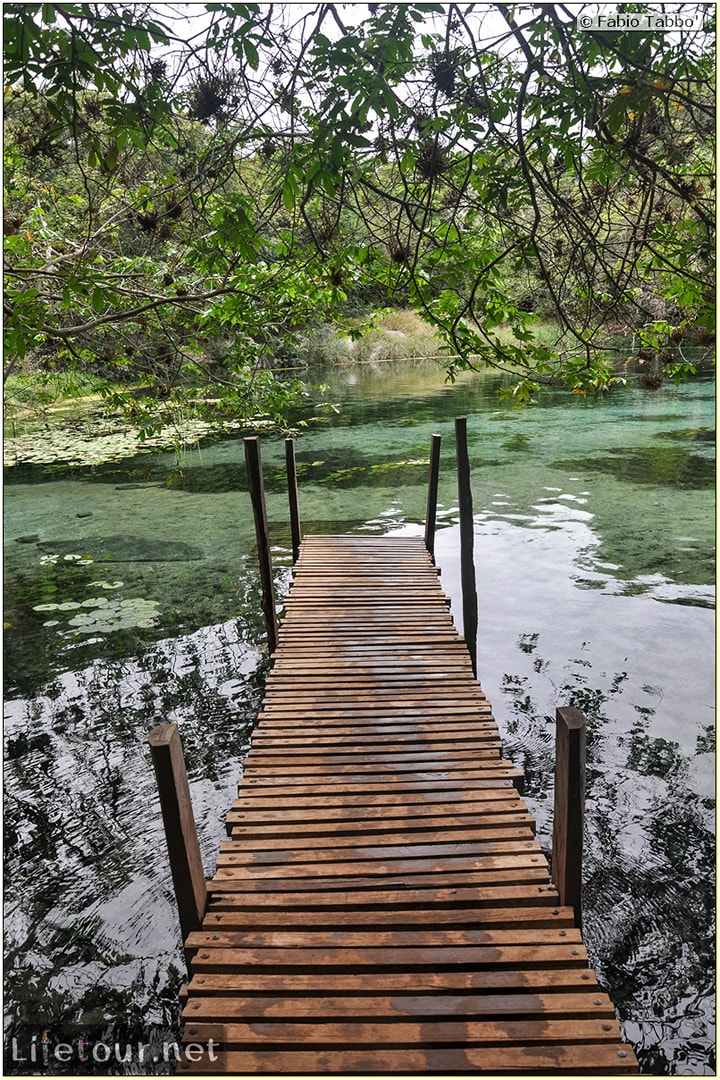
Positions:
(560, 979)
(307, 837)
(304, 917)
(536, 1060)
(440, 1032)
(473, 898)
(383, 939)
(236, 853)
(428, 800)
(236, 881)
(456, 1006)
(354, 959)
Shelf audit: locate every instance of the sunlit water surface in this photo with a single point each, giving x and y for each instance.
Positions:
(594, 548)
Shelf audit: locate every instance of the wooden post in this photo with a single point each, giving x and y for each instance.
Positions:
(467, 563)
(431, 514)
(180, 832)
(257, 495)
(567, 846)
(293, 497)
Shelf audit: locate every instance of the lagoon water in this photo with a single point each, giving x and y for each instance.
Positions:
(132, 598)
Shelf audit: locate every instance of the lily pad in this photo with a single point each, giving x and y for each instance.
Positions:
(110, 615)
(46, 607)
(81, 620)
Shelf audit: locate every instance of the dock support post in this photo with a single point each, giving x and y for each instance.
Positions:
(567, 845)
(431, 515)
(467, 563)
(180, 831)
(293, 497)
(257, 495)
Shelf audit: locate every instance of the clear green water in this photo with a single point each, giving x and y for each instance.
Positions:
(594, 546)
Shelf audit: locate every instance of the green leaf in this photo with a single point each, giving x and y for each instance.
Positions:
(391, 103)
(289, 192)
(251, 54)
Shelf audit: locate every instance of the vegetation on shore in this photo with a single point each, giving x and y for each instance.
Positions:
(194, 196)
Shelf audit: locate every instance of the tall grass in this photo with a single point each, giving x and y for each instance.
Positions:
(398, 335)
(42, 392)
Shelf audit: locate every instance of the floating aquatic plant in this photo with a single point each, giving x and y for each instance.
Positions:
(112, 615)
(108, 440)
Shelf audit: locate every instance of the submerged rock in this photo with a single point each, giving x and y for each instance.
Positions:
(124, 549)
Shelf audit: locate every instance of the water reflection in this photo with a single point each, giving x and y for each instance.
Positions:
(649, 860)
(90, 924)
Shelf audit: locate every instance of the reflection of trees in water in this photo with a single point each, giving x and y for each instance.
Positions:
(92, 943)
(649, 860)
(92, 940)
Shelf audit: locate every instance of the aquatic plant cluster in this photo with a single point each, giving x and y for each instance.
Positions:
(98, 440)
(98, 614)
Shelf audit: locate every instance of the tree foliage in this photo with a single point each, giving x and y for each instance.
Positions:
(187, 189)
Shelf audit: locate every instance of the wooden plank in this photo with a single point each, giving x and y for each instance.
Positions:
(304, 917)
(491, 979)
(586, 1060)
(398, 958)
(309, 834)
(427, 800)
(340, 765)
(457, 1006)
(384, 940)
(440, 1032)
(230, 880)
(400, 897)
(285, 738)
(236, 852)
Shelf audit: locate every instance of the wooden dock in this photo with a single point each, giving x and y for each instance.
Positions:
(382, 905)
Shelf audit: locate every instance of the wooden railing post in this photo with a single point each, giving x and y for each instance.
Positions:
(257, 495)
(467, 563)
(180, 832)
(567, 845)
(431, 515)
(293, 497)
